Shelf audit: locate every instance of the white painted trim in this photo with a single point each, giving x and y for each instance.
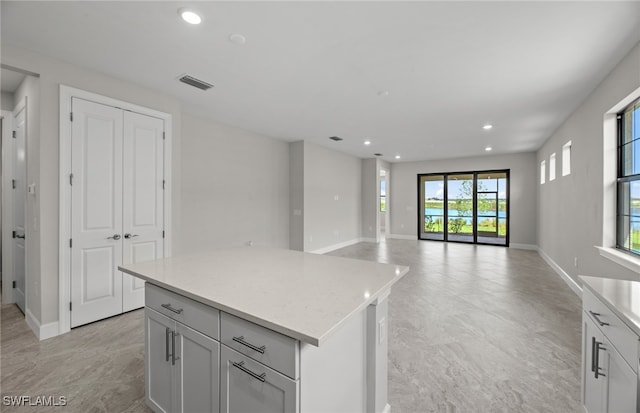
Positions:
(387, 408)
(567, 279)
(402, 236)
(43, 332)
(523, 246)
(7, 216)
(64, 267)
(619, 257)
(334, 247)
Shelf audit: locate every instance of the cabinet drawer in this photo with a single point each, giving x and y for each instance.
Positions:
(266, 346)
(248, 386)
(619, 334)
(196, 315)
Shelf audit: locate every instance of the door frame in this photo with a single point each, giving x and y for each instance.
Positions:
(64, 254)
(7, 208)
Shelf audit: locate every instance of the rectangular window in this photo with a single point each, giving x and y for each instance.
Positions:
(543, 171)
(552, 167)
(566, 159)
(628, 214)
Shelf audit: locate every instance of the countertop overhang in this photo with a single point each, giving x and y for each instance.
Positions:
(621, 296)
(302, 295)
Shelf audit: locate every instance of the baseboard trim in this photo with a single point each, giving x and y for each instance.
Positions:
(402, 236)
(375, 241)
(567, 279)
(523, 246)
(334, 247)
(43, 332)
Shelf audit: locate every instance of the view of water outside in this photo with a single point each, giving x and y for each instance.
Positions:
(492, 205)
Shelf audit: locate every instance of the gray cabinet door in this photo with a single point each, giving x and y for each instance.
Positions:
(160, 374)
(623, 383)
(247, 386)
(198, 372)
(593, 389)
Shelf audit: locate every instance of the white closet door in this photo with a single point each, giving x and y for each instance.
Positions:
(19, 206)
(96, 216)
(143, 208)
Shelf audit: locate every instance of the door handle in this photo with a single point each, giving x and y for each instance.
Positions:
(114, 237)
(597, 361)
(128, 236)
(20, 236)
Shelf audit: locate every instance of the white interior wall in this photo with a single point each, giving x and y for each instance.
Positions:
(522, 223)
(296, 193)
(571, 208)
(370, 196)
(235, 187)
(7, 101)
(332, 198)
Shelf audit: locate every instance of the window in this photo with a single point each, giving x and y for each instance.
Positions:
(552, 167)
(628, 214)
(383, 191)
(543, 171)
(566, 159)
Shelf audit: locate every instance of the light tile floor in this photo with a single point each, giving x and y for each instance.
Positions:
(472, 329)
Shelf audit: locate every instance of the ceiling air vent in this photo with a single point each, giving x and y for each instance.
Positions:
(377, 154)
(336, 138)
(200, 84)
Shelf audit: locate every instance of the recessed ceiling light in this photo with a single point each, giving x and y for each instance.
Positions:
(237, 39)
(397, 156)
(367, 142)
(488, 149)
(487, 126)
(190, 16)
(383, 93)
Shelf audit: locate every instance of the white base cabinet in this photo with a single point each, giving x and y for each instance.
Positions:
(242, 367)
(609, 360)
(248, 386)
(182, 367)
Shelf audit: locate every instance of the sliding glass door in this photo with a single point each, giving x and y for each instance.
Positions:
(467, 207)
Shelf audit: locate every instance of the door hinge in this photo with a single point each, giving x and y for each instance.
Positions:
(13, 234)
(13, 184)
(70, 179)
(70, 242)
(164, 136)
(162, 233)
(14, 135)
(13, 284)
(163, 183)
(70, 306)
(71, 116)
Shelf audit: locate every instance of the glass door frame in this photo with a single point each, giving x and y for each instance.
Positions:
(475, 212)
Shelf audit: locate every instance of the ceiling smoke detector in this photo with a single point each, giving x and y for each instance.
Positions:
(192, 81)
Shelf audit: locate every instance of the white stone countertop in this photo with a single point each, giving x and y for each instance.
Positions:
(621, 296)
(302, 295)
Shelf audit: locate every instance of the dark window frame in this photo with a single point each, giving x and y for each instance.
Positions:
(445, 175)
(622, 230)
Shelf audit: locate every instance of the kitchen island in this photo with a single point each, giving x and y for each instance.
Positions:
(263, 329)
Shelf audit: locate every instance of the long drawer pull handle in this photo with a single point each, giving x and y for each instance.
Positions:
(261, 377)
(597, 369)
(596, 315)
(251, 346)
(173, 348)
(593, 354)
(168, 307)
(166, 343)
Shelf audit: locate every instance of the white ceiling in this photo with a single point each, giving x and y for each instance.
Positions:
(311, 70)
